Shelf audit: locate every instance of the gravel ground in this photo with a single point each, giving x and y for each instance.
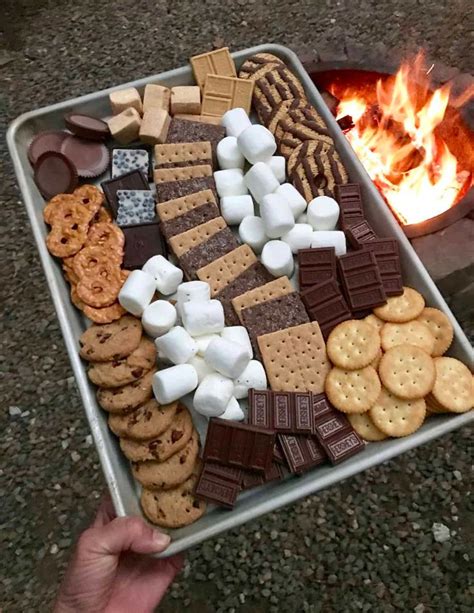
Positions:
(366, 544)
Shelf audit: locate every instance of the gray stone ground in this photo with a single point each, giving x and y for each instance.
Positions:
(364, 545)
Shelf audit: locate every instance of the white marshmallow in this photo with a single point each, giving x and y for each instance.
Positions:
(252, 232)
(193, 291)
(328, 238)
(235, 121)
(278, 259)
(228, 154)
(257, 143)
(203, 317)
(203, 341)
(323, 213)
(261, 181)
(167, 276)
(276, 215)
(177, 345)
(235, 208)
(294, 199)
(173, 383)
(201, 366)
(159, 317)
(227, 357)
(299, 237)
(233, 411)
(230, 182)
(137, 291)
(278, 165)
(213, 395)
(253, 376)
(238, 334)
(303, 218)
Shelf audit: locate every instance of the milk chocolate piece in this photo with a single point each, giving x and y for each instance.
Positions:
(45, 141)
(350, 202)
(360, 233)
(142, 242)
(387, 254)
(251, 479)
(301, 452)
(239, 445)
(361, 280)
(219, 484)
(215, 247)
(284, 412)
(55, 174)
(191, 219)
(316, 265)
(131, 180)
(272, 315)
(325, 304)
(170, 190)
(86, 126)
(89, 157)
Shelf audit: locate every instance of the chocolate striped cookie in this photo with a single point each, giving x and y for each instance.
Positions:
(255, 66)
(318, 170)
(276, 86)
(298, 111)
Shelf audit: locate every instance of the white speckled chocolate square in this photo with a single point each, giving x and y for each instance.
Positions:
(125, 160)
(135, 206)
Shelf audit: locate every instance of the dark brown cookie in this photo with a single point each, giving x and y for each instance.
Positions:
(300, 111)
(144, 423)
(121, 372)
(276, 86)
(257, 65)
(121, 400)
(103, 343)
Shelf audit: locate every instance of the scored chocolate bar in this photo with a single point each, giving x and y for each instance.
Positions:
(219, 484)
(361, 280)
(301, 452)
(334, 432)
(360, 233)
(252, 479)
(239, 445)
(287, 412)
(350, 202)
(387, 254)
(325, 304)
(134, 179)
(316, 265)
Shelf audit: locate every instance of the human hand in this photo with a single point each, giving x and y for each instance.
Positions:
(108, 571)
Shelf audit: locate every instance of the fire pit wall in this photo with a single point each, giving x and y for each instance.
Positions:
(447, 253)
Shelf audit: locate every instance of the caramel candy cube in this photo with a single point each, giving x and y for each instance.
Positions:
(125, 99)
(125, 126)
(186, 99)
(156, 97)
(217, 62)
(224, 93)
(154, 128)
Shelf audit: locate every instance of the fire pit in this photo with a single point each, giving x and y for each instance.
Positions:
(410, 136)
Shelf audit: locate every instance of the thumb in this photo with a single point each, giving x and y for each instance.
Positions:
(128, 534)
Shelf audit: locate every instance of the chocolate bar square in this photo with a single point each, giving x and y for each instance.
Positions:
(131, 180)
(142, 242)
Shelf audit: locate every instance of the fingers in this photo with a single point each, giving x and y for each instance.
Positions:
(105, 512)
(127, 534)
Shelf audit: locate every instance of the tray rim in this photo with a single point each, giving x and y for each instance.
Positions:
(227, 520)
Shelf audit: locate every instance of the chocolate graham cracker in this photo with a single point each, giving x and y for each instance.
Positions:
(183, 131)
(272, 315)
(295, 359)
(170, 190)
(211, 249)
(275, 289)
(182, 154)
(170, 209)
(182, 173)
(181, 243)
(225, 269)
(191, 219)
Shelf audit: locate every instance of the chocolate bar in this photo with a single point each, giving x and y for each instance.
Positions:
(252, 479)
(286, 412)
(350, 201)
(360, 233)
(316, 265)
(142, 242)
(387, 254)
(301, 452)
(334, 432)
(216, 246)
(361, 280)
(131, 180)
(325, 304)
(239, 445)
(219, 484)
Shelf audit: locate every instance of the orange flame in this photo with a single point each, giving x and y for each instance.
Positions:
(396, 141)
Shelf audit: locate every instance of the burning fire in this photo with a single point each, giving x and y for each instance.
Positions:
(396, 141)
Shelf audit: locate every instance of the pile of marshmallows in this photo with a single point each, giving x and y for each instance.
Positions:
(284, 213)
(208, 357)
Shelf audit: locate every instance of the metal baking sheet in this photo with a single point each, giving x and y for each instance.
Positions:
(272, 496)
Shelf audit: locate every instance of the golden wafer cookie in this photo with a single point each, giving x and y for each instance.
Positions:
(440, 327)
(365, 427)
(397, 417)
(407, 371)
(353, 391)
(453, 389)
(410, 333)
(400, 309)
(353, 344)
(375, 321)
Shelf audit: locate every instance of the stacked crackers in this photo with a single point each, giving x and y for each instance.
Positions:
(160, 441)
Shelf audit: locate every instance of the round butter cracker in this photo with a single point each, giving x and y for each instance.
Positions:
(353, 391)
(365, 427)
(453, 389)
(399, 309)
(407, 371)
(353, 344)
(440, 327)
(410, 333)
(397, 417)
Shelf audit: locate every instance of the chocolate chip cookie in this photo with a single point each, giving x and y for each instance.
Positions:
(121, 400)
(144, 423)
(104, 343)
